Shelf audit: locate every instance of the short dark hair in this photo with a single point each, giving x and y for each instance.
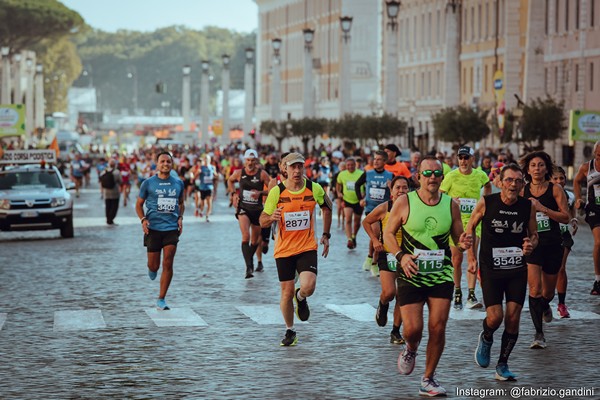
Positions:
(510, 167)
(164, 152)
(560, 170)
(399, 177)
(524, 162)
(381, 153)
(430, 158)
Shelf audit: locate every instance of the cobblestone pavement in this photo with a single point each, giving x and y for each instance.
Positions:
(77, 322)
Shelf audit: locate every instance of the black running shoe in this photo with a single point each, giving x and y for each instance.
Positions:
(249, 272)
(381, 314)
(260, 267)
(290, 338)
(396, 338)
(265, 248)
(596, 289)
(302, 310)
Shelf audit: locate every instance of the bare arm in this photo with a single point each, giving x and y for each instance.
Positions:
(463, 240)
(487, 189)
(375, 216)
(531, 241)
(474, 220)
(397, 218)
(577, 181)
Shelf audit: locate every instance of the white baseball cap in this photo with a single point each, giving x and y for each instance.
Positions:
(250, 154)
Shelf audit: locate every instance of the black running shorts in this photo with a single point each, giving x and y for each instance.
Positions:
(156, 240)
(498, 285)
(592, 216)
(253, 215)
(410, 294)
(549, 257)
(287, 266)
(356, 208)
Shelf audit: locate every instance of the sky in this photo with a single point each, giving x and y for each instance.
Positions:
(149, 15)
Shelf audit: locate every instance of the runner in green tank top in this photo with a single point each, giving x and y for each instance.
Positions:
(428, 218)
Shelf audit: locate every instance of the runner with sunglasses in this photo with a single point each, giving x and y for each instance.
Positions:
(428, 218)
(464, 185)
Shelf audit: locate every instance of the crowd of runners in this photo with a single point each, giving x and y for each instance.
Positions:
(514, 219)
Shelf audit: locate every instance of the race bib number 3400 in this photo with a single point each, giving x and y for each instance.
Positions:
(166, 204)
(296, 221)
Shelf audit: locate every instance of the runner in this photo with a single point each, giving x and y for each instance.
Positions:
(560, 178)
(208, 178)
(425, 274)
(377, 190)
(543, 264)
(252, 182)
(125, 169)
(395, 167)
(387, 263)
(163, 222)
(77, 169)
(346, 183)
(589, 173)
(337, 196)
(292, 204)
(509, 233)
(464, 184)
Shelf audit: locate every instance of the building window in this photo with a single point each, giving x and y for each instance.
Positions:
(485, 79)
(486, 20)
(547, 16)
(472, 23)
(502, 15)
(479, 16)
(439, 29)
(555, 79)
(556, 12)
(592, 12)
(576, 78)
(546, 80)
(591, 77)
(577, 4)
(471, 80)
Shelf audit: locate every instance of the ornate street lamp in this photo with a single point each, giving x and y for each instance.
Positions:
(307, 100)
(393, 8)
(248, 90)
(454, 4)
(204, 93)
(186, 97)
(346, 25)
(391, 70)
(225, 86)
(345, 95)
(276, 81)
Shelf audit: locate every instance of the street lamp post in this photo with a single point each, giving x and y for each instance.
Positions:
(276, 82)
(29, 70)
(5, 95)
(186, 98)
(308, 100)
(18, 93)
(204, 100)
(346, 85)
(391, 71)
(225, 83)
(39, 97)
(248, 90)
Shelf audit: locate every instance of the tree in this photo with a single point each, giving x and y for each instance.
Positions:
(381, 128)
(308, 129)
(25, 23)
(275, 129)
(543, 119)
(460, 125)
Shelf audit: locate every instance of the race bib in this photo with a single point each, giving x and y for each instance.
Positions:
(467, 205)
(350, 185)
(377, 193)
(597, 194)
(247, 197)
(430, 261)
(392, 263)
(166, 204)
(507, 257)
(296, 221)
(208, 180)
(543, 222)
(564, 228)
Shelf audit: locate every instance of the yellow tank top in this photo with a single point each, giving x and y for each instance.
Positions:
(384, 222)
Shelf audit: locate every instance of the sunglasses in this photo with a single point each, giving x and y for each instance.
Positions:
(428, 172)
(511, 180)
(463, 157)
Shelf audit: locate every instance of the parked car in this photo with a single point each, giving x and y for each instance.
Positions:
(35, 197)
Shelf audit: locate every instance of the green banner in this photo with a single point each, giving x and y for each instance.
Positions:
(12, 120)
(584, 125)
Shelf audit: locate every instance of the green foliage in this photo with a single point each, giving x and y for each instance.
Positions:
(543, 119)
(348, 127)
(25, 23)
(460, 125)
(380, 129)
(308, 129)
(273, 128)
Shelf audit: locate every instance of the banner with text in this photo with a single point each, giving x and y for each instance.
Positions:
(584, 125)
(12, 120)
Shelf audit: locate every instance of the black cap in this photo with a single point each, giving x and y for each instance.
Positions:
(466, 150)
(394, 148)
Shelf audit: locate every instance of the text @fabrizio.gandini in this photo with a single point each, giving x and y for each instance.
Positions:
(523, 392)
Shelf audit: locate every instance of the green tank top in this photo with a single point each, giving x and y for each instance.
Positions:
(427, 233)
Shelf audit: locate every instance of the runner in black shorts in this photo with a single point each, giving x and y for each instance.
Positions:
(589, 174)
(249, 204)
(560, 178)
(543, 264)
(508, 235)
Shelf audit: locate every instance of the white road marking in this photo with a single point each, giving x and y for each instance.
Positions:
(359, 312)
(175, 317)
(2, 319)
(467, 314)
(263, 314)
(75, 320)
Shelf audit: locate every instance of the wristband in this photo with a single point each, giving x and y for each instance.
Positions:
(575, 220)
(180, 217)
(396, 255)
(143, 219)
(327, 235)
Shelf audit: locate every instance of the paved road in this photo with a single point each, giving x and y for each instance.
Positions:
(77, 322)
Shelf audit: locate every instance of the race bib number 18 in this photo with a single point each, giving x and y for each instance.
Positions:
(543, 222)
